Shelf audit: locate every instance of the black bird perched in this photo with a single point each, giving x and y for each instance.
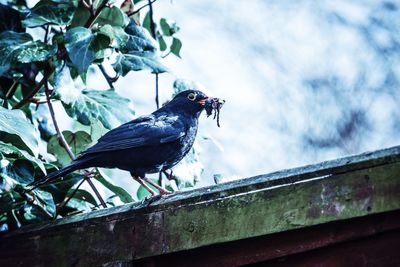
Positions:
(147, 144)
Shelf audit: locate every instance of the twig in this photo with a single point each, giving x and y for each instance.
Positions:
(152, 24)
(137, 11)
(94, 16)
(87, 6)
(46, 33)
(157, 98)
(12, 89)
(110, 80)
(32, 94)
(64, 143)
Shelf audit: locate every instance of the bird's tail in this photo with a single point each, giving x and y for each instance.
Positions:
(54, 175)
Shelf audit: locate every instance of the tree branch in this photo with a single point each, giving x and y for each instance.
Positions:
(157, 98)
(137, 11)
(32, 94)
(64, 143)
(93, 17)
(110, 80)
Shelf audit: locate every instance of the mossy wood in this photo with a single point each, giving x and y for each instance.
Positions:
(364, 185)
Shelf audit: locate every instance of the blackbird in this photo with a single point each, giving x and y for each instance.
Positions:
(147, 144)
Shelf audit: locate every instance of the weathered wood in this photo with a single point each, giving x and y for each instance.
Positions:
(282, 201)
(291, 248)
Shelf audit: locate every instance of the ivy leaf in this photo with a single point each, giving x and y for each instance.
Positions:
(47, 12)
(81, 16)
(85, 196)
(112, 16)
(10, 19)
(14, 152)
(20, 47)
(77, 142)
(60, 187)
(22, 171)
(117, 35)
(105, 105)
(142, 192)
(138, 53)
(18, 128)
(117, 190)
(161, 42)
(78, 44)
(176, 47)
(168, 27)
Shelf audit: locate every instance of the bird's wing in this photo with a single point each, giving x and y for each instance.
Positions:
(143, 131)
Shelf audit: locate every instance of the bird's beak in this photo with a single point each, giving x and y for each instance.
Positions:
(210, 99)
(204, 101)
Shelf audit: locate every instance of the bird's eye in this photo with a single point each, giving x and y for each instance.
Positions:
(191, 96)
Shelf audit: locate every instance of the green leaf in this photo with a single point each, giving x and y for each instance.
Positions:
(161, 42)
(78, 44)
(147, 22)
(10, 19)
(117, 35)
(77, 141)
(23, 171)
(105, 105)
(18, 128)
(47, 12)
(12, 151)
(81, 16)
(176, 47)
(112, 16)
(20, 48)
(10, 201)
(138, 53)
(61, 187)
(117, 190)
(85, 196)
(142, 192)
(168, 27)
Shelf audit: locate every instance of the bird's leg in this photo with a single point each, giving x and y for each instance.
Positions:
(140, 181)
(159, 188)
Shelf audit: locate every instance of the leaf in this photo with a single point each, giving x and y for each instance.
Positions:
(119, 191)
(47, 12)
(77, 141)
(20, 47)
(22, 171)
(176, 47)
(168, 27)
(10, 19)
(10, 150)
(85, 196)
(105, 105)
(112, 16)
(138, 53)
(142, 192)
(81, 16)
(117, 35)
(17, 127)
(161, 42)
(10, 201)
(60, 187)
(77, 43)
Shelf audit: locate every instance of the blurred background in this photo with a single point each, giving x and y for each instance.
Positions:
(304, 81)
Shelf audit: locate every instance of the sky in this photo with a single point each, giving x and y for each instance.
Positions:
(303, 81)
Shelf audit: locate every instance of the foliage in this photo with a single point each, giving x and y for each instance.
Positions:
(69, 38)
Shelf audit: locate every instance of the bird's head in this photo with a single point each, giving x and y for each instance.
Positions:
(190, 101)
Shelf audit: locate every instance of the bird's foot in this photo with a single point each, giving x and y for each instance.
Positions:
(162, 190)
